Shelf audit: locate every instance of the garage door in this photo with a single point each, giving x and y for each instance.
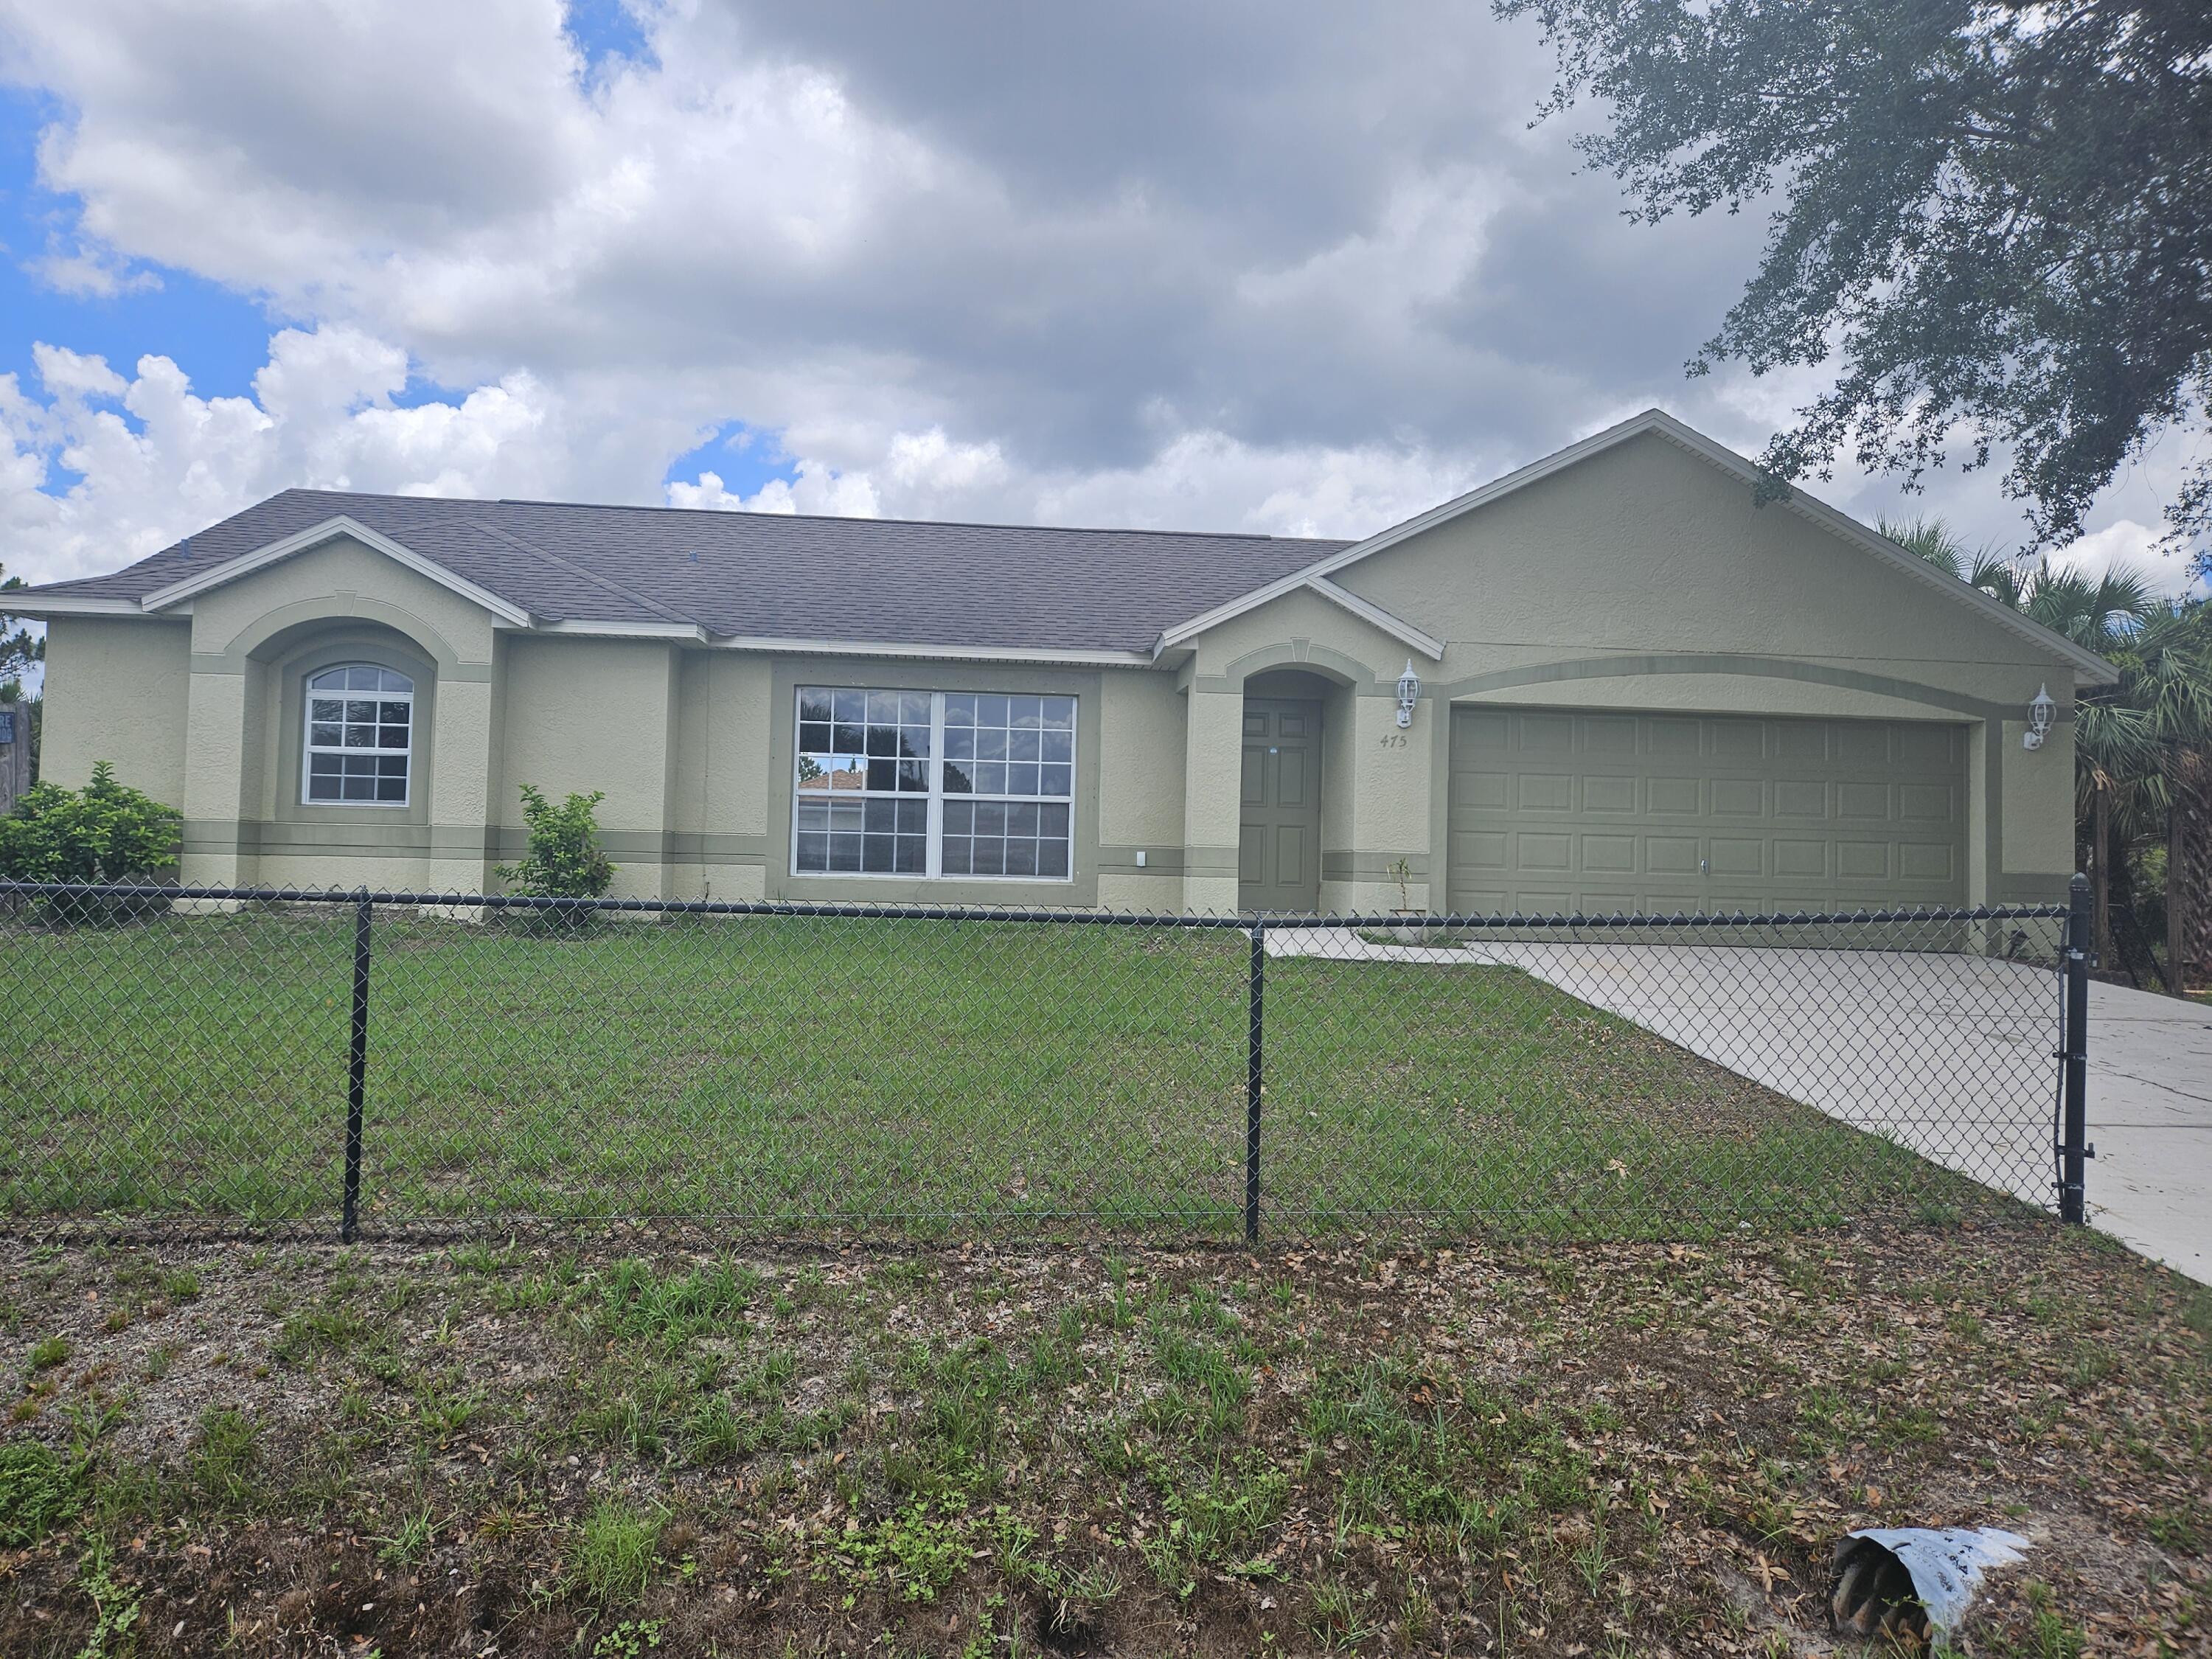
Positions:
(1557, 811)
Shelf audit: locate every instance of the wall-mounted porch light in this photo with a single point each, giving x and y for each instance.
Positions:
(2041, 713)
(1409, 691)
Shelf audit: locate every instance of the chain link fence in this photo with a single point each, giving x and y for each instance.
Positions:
(318, 1062)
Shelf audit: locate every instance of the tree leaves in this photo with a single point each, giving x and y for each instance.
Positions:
(1992, 219)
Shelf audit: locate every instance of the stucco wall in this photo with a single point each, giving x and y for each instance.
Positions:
(1141, 783)
(586, 714)
(115, 691)
(1648, 549)
(1641, 579)
(1645, 579)
(718, 828)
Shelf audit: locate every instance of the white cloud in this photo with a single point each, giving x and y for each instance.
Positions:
(1150, 265)
(818, 489)
(153, 460)
(1213, 479)
(2127, 545)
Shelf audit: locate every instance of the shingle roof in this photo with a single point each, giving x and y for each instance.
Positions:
(776, 576)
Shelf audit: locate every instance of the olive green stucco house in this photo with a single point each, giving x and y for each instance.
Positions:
(1607, 681)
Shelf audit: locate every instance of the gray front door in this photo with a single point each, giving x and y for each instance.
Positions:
(1279, 835)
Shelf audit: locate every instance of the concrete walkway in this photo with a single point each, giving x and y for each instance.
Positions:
(1951, 1056)
(2150, 1119)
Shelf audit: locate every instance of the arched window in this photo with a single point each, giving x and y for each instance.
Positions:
(361, 737)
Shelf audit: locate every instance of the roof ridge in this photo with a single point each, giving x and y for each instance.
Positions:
(815, 518)
(590, 575)
(934, 523)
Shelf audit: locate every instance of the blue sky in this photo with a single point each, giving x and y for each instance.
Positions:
(219, 335)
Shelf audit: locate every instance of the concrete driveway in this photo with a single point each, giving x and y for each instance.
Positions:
(1951, 1056)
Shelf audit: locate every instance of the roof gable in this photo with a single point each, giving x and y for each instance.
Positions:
(2089, 668)
(320, 535)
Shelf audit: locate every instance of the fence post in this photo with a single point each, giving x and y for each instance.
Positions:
(1256, 1073)
(2074, 1150)
(356, 1064)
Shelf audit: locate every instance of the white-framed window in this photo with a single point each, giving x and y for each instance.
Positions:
(960, 784)
(361, 737)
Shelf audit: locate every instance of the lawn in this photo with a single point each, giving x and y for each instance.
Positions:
(789, 1072)
(1585, 1450)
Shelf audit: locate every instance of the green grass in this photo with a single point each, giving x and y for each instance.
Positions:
(895, 1074)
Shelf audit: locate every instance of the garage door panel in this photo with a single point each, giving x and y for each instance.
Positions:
(1481, 849)
(1737, 740)
(1481, 790)
(1544, 792)
(1739, 798)
(1535, 851)
(1862, 743)
(1604, 735)
(1802, 742)
(1862, 801)
(1733, 855)
(1609, 795)
(1920, 861)
(1560, 810)
(1801, 860)
(1801, 798)
(1548, 735)
(1608, 855)
(1862, 860)
(1925, 803)
(1932, 746)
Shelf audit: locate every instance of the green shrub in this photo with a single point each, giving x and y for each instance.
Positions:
(565, 859)
(106, 832)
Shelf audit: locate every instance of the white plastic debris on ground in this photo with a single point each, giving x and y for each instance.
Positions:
(1947, 1563)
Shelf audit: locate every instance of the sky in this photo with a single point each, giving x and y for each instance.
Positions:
(1274, 267)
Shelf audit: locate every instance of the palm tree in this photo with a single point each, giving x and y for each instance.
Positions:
(2143, 747)
(2098, 615)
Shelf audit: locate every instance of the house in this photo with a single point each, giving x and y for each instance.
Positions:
(1609, 681)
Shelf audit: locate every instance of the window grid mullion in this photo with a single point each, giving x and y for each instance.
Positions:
(933, 856)
(936, 801)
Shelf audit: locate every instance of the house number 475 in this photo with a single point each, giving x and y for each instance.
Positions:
(1394, 739)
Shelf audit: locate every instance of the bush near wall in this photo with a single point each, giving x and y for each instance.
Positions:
(106, 831)
(564, 859)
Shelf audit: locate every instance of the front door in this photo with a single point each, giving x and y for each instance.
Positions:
(1279, 835)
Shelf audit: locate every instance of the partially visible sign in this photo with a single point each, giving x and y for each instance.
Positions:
(6, 729)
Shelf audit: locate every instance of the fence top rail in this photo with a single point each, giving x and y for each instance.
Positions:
(1241, 921)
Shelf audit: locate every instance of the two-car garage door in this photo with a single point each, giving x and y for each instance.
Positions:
(1557, 811)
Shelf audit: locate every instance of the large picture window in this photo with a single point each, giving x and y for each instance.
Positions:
(961, 784)
(361, 737)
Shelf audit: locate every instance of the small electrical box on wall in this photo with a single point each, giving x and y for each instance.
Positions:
(1141, 857)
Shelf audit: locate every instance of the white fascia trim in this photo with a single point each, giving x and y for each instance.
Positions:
(1368, 612)
(688, 633)
(2089, 669)
(314, 536)
(64, 604)
(935, 652)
